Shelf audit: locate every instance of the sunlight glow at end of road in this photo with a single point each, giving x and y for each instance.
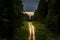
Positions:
(31, 31)
(29, 13)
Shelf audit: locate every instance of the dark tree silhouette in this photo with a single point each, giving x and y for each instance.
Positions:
(10, 17)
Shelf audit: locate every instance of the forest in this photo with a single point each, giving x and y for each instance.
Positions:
(48, 13)
(14, 26)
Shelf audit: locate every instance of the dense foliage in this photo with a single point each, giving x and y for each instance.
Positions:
(48, 12)
(10, 17)
(41, 11)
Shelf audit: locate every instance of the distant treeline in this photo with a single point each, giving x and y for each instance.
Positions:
(48, 13)
(11, 17)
